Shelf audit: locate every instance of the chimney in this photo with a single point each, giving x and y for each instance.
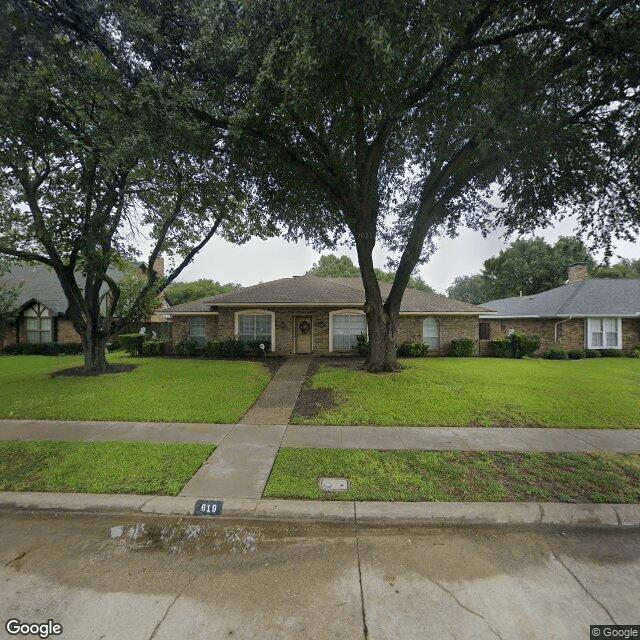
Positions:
(158, 267)
(577, 272)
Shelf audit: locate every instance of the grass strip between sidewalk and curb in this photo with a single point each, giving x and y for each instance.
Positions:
(99, 467)
(601, 393)
(456, 476)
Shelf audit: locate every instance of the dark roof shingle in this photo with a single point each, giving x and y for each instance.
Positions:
(590, 297)
(312, 290)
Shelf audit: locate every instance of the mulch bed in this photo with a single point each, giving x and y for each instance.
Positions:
(80, 371)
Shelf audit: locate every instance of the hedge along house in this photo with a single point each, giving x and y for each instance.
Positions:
(42, 306)
(308, 314)
(585, 313)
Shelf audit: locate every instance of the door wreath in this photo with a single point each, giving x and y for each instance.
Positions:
(304, 326)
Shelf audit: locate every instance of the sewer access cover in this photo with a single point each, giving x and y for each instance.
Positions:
(334, 484)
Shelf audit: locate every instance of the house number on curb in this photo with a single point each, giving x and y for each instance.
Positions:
(208, 508)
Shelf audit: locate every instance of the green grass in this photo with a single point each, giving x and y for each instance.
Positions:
(99, 467)
(414, 476)
(602, 393)
(158, 390)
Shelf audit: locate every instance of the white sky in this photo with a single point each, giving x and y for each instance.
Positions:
(264, 260)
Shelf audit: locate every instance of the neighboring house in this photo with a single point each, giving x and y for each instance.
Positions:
(585, 313)
(42, 306)
(308, 314)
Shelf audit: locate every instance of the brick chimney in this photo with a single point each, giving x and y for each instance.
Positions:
(158, 267)
(577, 272)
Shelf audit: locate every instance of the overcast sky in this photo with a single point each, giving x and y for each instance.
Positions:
(264, 260)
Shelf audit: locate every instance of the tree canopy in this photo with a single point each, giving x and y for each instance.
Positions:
(530, 266)
(92, 167)
(395, 122)
(332, 266)
(179, 292)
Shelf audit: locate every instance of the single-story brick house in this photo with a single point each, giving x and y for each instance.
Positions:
(42, 305)
(585, 313)
(308, 314)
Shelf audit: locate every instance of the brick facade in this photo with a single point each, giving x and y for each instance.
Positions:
(223, 326)
(451, 328)
(570, 334)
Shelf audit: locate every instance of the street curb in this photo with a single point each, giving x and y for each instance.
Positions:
(369, 513)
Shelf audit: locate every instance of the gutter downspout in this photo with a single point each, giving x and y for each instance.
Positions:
(555, 328)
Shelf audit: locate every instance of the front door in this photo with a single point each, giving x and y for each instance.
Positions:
(303, 334)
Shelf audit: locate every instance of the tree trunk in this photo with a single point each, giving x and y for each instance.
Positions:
(382, 339)
(95, 360)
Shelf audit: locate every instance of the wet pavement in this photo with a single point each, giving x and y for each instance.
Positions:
(149, 577)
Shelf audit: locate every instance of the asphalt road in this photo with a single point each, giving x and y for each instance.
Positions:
(110, 577)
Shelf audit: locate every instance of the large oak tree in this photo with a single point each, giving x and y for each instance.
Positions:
(396, 121)
(94, 168)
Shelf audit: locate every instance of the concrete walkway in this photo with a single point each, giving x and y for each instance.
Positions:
(278, 400)
(333, 437)
(240, 465)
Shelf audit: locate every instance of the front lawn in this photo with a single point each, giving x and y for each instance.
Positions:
(158, 390)
(597, 393)
(460, 476)
(99, 467)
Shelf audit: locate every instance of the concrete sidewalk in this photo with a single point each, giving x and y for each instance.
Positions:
(336, 437)
(278, 400)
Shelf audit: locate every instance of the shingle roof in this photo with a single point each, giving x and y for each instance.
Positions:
(312, 290)
(590, 297)
(41, 284)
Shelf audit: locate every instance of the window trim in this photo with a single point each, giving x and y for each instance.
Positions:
(589, 331)
(39, 312)
(343, 312)
(203, 337)
(424, 338)
(256, 312)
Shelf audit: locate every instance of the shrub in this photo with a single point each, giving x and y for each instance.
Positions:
(501, 347)
(152, 347)
(612, 353)
(253, 347)
(593, 353)
(412, 350)
(43, 349)
(636, 352)
(362, 345)
(523, 345)
(131, 343)
(555, 354)
(229, 348)
(576, 354)
(463, 348)
(516, 345)
(186, 348)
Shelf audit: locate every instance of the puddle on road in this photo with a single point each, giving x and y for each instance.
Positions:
(184, 537)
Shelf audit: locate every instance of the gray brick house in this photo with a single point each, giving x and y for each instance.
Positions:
(585, 313)
(308, 314)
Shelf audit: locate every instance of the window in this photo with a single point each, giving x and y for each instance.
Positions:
(604, 333)
(431, 333)
(197, 331)
(345, 329)
(254, 327)
(484, 330)
(38, 320)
